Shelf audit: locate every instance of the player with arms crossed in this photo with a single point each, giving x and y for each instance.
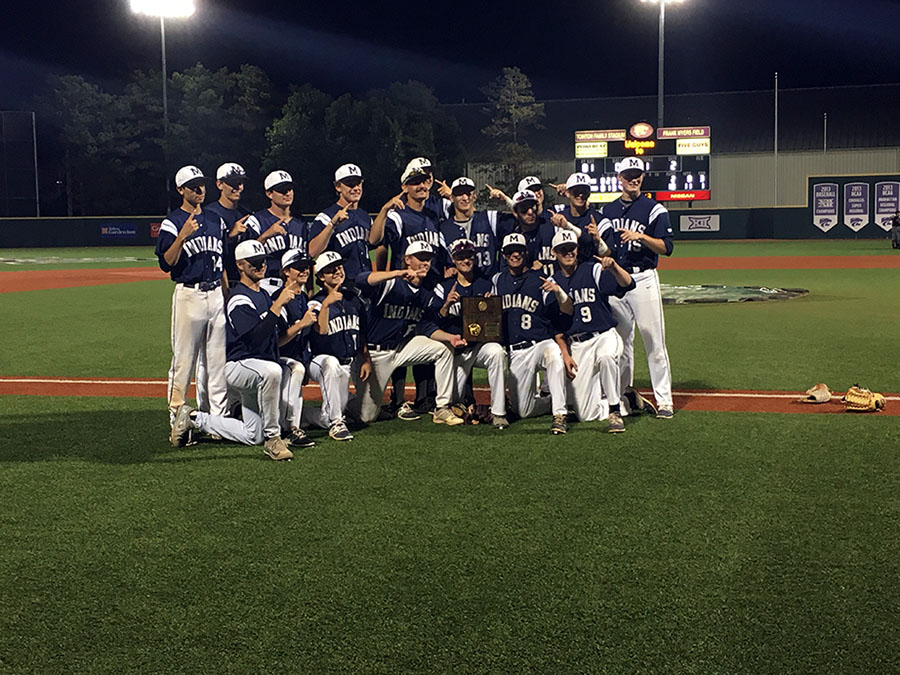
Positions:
(591, 347)
(253, 369)
(338, 344)
(638, 231)
(531, 303)
(397, 305)
(275, 227)
(190, 248)
(447, 314)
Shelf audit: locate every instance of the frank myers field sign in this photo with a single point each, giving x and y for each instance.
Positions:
(856, 205)
(887, 203)
(825, 205)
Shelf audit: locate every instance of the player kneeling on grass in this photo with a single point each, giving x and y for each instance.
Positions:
(398, 302)
(447, 314)
(531, 304)
(590, 345)
(252, 367)
(338, 345)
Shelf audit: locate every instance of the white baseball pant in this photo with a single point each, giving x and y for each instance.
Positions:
(264, 388)
(334, 382)
(419, 349)
(492, 357)
(198, 335)
(523, 388)
(643, 305)
(598, 374)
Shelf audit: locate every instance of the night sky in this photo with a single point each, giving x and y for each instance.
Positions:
(569, 49)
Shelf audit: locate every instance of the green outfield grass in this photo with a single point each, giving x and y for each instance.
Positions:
(711, 543)
(76, 258)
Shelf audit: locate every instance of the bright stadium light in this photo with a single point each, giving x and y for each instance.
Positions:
(662, 40)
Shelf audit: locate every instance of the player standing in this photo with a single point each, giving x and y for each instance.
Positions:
(253, 369)
(230, 179)
(276, 228)
(538, 229)
(591, 347)
(638, 231)
(531, 303)
(190, 248)
(466, 223)
(582, 215)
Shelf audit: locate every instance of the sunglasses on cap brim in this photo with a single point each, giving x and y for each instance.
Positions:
(351, 182)
(282, 188)
(256, 262)
(195, 186)
(515, 248)
(233, 182)
(524, 206)
(418, 179)
(631, 174)
(565, 249)
(462, 255)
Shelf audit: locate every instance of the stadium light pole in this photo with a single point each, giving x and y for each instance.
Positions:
(164, 9)
(662, 56)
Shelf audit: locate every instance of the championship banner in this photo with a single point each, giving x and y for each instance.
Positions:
(887, 203)
(825, 205)
(856, 205)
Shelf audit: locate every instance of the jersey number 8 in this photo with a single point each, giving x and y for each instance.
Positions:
(525, 322)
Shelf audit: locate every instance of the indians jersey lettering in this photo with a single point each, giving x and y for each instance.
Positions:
(201, 254)
(643, 215)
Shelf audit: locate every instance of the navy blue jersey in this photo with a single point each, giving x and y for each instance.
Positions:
(349, 239)
(587, 247)
(346, 326)
(297, 237)
(395, 310)
(229, 218)
(246, 308)
(452, 323)
(298, 348)
(539, 244)
(481, 229)
(438, 208)
(529, 312)
(403, 227)
(642, 215)
(590, 287)
(201, 255)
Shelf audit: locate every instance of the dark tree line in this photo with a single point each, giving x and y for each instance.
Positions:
(106, 153)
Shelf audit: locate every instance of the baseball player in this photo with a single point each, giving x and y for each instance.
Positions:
(591, 346)
(343, 227)
(275, 227)
(253, 369)
(582, 215)
(338, 344)
(398, 302)
(534, 184)
(230, 179)
(538, 230)
(478, 226)
(447, 314)
(531, 304)
(638, 231)
(190, 248)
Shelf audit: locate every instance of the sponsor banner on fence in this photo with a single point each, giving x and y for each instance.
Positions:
(701, 223)
(154, 230)
(113, 231)
(856, 205)
(887, 203)
(825, 205)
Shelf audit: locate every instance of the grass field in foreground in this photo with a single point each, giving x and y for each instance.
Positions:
(716, 543)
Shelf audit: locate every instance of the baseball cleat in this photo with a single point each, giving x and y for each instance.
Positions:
(405, 412)
(500, 422)
(181, 427)
(637, 403)
(298, 438)
(277, 450)
(616, 424)
(444, 415)
(559, 425)
(339, 431)
(665, 412)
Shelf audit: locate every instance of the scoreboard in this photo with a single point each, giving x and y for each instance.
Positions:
(676, 160)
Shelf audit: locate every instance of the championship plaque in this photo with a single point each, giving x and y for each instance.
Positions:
(481, 319)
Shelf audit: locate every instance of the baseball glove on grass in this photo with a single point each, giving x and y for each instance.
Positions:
(859, 399)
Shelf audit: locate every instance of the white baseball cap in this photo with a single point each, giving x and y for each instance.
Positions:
(419, 247)
(513, 239)
(187, 174)
(530, 183)
(294, 257)
(563, 237)
(278, 178)
(230, 170)
(524, 197)
(462, 184)
(631, 163)
(412, 171)
(422, 163)
(347, 171)
(327, 259)
(577, 179)
(249, 249)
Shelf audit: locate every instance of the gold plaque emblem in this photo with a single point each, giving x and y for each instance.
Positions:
(482, 306)
(475, 329)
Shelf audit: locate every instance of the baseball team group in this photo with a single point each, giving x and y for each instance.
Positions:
(265, 302)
